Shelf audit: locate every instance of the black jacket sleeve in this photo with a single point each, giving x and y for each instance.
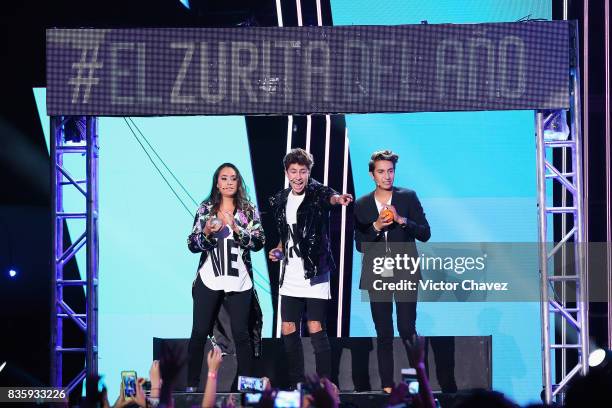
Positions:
(325, 193)
(417, 224)
(364, 230)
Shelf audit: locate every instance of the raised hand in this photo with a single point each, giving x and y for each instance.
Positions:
(416, 350)
(214, 359)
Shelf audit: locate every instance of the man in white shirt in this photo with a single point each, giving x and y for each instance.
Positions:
(387, 219)
(301, 213)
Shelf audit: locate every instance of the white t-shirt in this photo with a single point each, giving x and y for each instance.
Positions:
(224, 268)
(379, 206)
(294, 283)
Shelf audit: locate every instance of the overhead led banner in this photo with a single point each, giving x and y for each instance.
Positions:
(272, 70)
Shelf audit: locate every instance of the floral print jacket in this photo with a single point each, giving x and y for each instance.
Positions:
(250, 237)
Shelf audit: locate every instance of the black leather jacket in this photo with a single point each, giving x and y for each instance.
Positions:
(313, 227)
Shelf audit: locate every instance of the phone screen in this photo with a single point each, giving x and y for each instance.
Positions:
(410, 378)
(128, 381)
(288, 399)
(250, 383)
(413, 387)
(250, 399)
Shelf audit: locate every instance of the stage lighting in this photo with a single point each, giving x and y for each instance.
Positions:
(12, 273)
(600, 359)
(74, 129)
(555, 125)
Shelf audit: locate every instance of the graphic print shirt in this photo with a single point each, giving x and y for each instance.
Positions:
(294, 283)
(224, 268)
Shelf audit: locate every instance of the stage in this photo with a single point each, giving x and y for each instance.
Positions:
(454, 363)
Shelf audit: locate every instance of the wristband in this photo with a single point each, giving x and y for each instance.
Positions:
(212, 374)
(152, 402)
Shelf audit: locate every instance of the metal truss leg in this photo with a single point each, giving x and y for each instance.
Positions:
(84, 162)
(576, 317)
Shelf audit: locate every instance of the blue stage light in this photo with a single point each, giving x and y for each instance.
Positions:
(12, 273)
(555, 125)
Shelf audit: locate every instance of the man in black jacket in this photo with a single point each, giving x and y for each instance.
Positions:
(387, 222)
(301, 213)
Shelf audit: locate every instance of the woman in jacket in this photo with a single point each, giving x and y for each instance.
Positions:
(226, 228)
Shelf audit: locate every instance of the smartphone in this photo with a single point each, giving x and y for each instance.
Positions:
(288, 399)
(251, 383)
(409, 376)
(128, 382)
(304, 388)
(250, 399)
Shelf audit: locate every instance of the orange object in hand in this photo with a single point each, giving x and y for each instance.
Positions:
(387, 214)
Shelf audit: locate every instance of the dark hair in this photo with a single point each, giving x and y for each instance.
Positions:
(299, 156)
(241, 198)
(382, 155)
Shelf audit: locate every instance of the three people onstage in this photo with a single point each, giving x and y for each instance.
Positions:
(227, 228)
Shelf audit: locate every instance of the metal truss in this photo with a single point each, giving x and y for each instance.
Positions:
(574, 315)
(85, 153)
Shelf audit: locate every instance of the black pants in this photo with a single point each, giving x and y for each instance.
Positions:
(382, 314)
(206, 304)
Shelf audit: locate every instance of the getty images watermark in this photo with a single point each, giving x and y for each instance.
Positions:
(387, 265)
(471, 272)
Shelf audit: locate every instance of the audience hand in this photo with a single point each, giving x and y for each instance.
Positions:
(267, 398)
(229, 402)
(214, 359)
(416, 350)
(398, 394)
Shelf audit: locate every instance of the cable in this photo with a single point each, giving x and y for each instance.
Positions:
(164, 163)
(157, 168)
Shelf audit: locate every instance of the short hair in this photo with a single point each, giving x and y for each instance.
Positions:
(382, 155)
(299, 156)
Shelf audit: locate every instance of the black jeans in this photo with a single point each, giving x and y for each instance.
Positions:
(382, 314)
(206, 304)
